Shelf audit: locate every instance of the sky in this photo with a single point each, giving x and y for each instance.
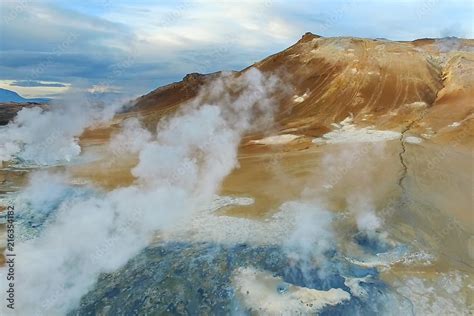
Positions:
(129, 48)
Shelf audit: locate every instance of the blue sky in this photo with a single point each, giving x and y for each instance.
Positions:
(132, 47)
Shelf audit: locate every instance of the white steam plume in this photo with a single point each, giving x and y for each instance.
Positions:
(362, 206)
(349, 172)
(346, 174)
(179, 170)
(131, 139)
(47, 136)
(37, 200)
(312, 238)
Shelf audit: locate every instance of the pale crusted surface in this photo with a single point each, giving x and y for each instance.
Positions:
(258, 291)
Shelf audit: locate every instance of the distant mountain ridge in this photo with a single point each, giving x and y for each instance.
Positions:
(12, 96)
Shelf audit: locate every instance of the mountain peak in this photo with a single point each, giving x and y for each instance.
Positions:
(308, 36)
(193, 76)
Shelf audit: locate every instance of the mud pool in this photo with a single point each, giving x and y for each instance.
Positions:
(192, 279)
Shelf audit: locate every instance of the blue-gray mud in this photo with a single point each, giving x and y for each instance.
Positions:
(196, 279)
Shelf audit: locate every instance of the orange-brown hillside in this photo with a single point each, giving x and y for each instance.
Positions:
(381, 82)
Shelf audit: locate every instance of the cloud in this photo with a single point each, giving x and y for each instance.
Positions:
(32, 89)
(63, 46)
(103, 88)
(32, 83)
(71, 43)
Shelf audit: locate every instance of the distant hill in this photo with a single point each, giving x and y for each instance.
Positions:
(8, 110)
(11, 96)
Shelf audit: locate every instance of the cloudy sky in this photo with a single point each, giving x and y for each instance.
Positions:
(131, 47)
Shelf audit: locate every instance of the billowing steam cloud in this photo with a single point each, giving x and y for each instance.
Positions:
(131, 139)
(43, 137)
(350, 170)
(37, 201)
(312, 237)
(179, 170)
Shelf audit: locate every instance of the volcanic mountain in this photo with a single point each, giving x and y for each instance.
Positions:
(376, 81)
